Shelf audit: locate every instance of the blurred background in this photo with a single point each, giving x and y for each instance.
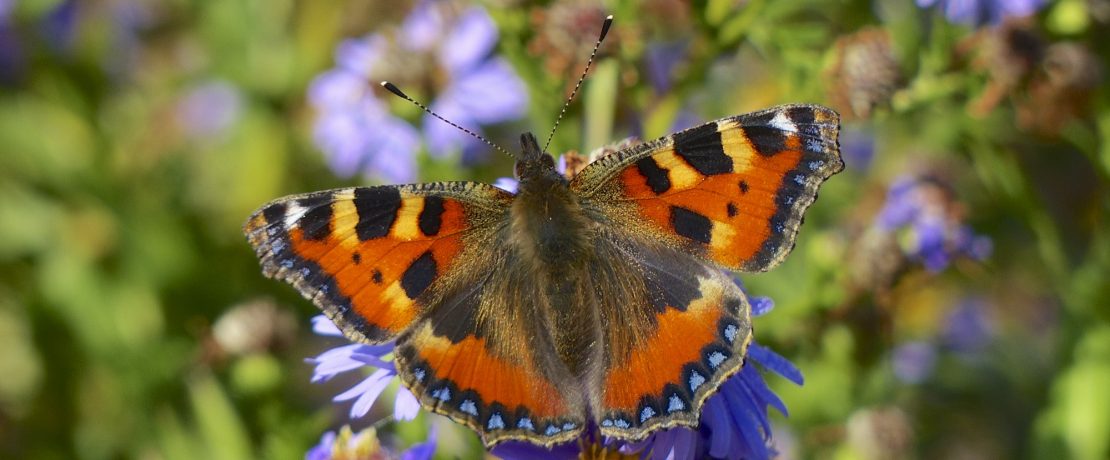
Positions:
(947, 297)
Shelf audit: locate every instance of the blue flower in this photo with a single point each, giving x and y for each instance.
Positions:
(364, 445)
(922, 212)
(913, 362)
(357, 356)
(355, 129)
(480, 90)
(208, 109)
(977, 12)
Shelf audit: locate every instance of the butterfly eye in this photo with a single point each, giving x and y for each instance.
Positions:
(548, 161)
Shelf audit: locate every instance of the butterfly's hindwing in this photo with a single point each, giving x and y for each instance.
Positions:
(658, 373)
(733, 190)
(482, 355)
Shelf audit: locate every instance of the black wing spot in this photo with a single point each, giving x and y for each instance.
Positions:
(376, 277)
(656, 177)
(701, 147)
(419, 275)
(356, 258)
(744, 186)
(732, 210)
(377, 209)
(691, 224)
(431, 217)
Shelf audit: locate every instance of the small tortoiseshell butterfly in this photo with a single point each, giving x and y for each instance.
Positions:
(598, 300)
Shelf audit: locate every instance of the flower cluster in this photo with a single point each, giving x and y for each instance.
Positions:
(929, 224)
(354, 127)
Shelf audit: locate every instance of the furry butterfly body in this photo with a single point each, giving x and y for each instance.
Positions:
(600, 300)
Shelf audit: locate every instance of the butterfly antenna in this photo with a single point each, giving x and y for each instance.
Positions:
(397, 91)
(604, 30)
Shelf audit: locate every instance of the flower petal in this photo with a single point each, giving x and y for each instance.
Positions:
(469, 41)
(322, 325)
(775, 362)
(405, 407)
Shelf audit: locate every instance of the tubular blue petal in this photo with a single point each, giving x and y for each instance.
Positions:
(775, 362)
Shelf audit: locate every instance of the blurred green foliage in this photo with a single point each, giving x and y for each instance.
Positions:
(120, 244)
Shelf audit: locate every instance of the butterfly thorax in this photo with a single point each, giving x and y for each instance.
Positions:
(549, 229)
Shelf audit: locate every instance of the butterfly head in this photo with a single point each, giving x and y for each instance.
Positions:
(533, 166)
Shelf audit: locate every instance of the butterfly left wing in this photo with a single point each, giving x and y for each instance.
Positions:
(366, 255)
(732, 191)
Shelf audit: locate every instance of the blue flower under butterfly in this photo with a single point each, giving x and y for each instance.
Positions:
(734, 422)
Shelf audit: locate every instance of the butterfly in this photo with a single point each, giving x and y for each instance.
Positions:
(601, 300)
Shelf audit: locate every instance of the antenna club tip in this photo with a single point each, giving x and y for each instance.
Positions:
(393, 89)
(605, 27)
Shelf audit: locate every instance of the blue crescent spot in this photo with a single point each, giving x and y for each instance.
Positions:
(568, 426)
(442, 394)
(716, 358)
(646, 414)
(495, 422)
(813, 165)
(286, 263)
(468, 407)
(622, 423)
(696, 380)
(277, 246)
(551, 429)
(800, 179)
(675, 404)
(526, 424)
(730, 332)
(419, 374)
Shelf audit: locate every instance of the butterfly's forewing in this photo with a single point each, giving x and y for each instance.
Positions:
(426, 265)
(733, 191)
(366, 255)
(726, 194)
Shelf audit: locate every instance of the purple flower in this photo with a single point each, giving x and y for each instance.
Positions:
(481, 89)
(922, 213)
(914, 361)
(357, 356)
(977, 12)
(968, 328)
(858, 146)
(661, 59)
(355, 129)
(5, 10)
(364, 445)
(209, 109)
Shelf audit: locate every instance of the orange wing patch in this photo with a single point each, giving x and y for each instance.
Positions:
(502, 398)
(366, 255)
(735, 189)
(665, 381)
